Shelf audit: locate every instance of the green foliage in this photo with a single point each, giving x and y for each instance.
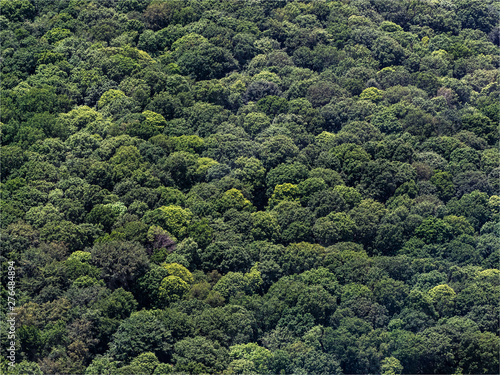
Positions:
(142, 332)
(56, 34)
(174, 269)
(234, 283)
(257, 355)
(317, 177)
(434, 230)
(25, 367)
(283, 192)
(188, 143)
(199, 355)
(443, 298)
(391, 366)
(372, 93)
(147, 362)
(173, 288)
(255, 122)
(120, 262)
(153, 124)
(333, 228)
(199, 61)
(444, 184)
(234, 199)
(109, 96)
(77, 265)
(17, 10)
(173, 219)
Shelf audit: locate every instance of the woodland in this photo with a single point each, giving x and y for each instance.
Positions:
(250, 186)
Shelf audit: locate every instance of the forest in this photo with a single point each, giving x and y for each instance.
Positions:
(250, 186)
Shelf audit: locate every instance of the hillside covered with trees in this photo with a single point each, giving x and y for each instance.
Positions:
(251, 187)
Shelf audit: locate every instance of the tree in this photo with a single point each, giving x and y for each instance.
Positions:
(78, 265)
(255, 122)
(426, 81)
(117, 305)
(344, 343)
(199, 354)
(322, 92)
(260, 89)
(250, 171)
(317, 177)
(173, 219)
(277, 150)
(391, 294)
(232, 284)
(125, 161)
(351, 157)
(284, 192)
(335, 227)
(311, 360)
(480, 352)
(286, 173)
(473, 206)
(74, 236)
(443, 297)
(172, 288)
(102, 365)
(273, 105)
(147, 362)
(17, 10)
(142, 331)
(175, 269)
(120, 262)
(151, 125)
(103, 215)
(39, 216)
(206, 61)
(367, 216)
(391, 366)
(372, 93)
(434, 230)
(229, 325)
(234, 199)
(325, 202)
(444, 183)
(468, 182)
(110, 96)
(479, 124)
(264, 226)
(475, 15)
(294, 220)
(388, 51)
(148, 286)
(386, 120)
(303, 256)
(351, 196)
(165, 104)
(258, 356)
(25, 367)
(381, 178)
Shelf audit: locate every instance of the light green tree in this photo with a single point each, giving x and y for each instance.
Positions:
(109, 96)
(372, 93)
(173, 219)
(234, 198)
(147, 362)
(175, 269)
(284, 192)
(443, 297)
(391, 366)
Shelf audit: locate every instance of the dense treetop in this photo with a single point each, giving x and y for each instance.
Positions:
(251, 187)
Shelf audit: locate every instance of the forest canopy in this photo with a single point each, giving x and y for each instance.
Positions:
(251, 187)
